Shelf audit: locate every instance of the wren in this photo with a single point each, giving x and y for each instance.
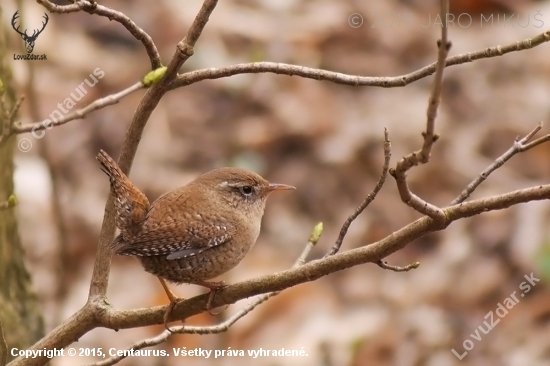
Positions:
(194, 233)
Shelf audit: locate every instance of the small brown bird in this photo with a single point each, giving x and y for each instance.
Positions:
(194, 233)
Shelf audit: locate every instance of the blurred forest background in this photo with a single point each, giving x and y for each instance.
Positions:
(326, 140)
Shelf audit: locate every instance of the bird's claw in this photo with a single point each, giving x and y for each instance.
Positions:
(168, 312)
(214, 287)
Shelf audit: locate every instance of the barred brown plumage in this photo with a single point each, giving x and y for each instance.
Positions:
(194, 233)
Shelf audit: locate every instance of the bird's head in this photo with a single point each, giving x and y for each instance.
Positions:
(242, 189)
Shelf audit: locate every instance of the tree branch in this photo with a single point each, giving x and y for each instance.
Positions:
(290, 70)
(219, 328)
(313, 270)
(151, 78)
(370, 197)
(435, 98)
(518, 147)
(407, 268)
(423, 155)
(92, 7)
(79, 113)
(101, 314)
(100, 276)
(353, 80)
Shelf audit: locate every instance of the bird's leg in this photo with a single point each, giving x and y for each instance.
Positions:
(173, 301)
(214, 287)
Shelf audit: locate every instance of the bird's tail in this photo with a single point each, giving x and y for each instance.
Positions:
(131, 205)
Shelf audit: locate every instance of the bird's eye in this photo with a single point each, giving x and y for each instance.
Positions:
(247, 190)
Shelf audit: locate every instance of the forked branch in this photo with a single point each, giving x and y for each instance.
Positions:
(430, 137)
(519, 146)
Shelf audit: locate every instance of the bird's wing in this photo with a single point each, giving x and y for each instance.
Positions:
(177, 242)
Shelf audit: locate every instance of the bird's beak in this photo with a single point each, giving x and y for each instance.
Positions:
(278, 187)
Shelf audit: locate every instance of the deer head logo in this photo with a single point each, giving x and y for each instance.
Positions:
(29, 40)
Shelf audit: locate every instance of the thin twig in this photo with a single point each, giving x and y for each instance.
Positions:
(319, 74)
(520, 145)
(370, 197)
(423, 155)
(443, 50)
(79, 113)
(92, 7)
(535, 143)
(354, 80)
(407, 268)
(219, 328)
(185, 47)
